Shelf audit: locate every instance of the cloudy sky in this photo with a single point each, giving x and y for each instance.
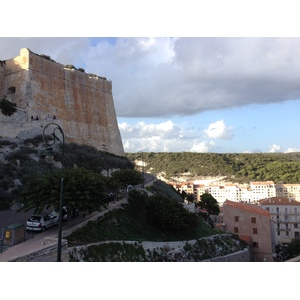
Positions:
(200, 94)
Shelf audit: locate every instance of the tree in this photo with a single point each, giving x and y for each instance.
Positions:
(138, 201)
(7, 107)
(168, 214)
(209, 203)
(190, 198)
(292, 250)
(127, 176)
(83, 190)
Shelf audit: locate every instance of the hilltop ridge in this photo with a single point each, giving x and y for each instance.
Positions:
(231, 167)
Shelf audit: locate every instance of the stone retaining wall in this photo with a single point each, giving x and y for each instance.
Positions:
(47, 254)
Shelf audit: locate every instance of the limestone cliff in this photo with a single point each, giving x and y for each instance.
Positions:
(45, 91)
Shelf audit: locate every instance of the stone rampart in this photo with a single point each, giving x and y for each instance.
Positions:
(45, 91)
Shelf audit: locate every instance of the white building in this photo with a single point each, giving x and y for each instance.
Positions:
(285, 217)
(224, 192)
(246, 193)
(288, 190)
(262, 189)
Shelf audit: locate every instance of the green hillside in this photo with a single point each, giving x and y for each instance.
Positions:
(240, 167)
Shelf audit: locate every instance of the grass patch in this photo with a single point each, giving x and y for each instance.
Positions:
(120, 224)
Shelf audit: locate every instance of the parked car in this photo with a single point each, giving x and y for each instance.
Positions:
(64, 213)
(41, 222)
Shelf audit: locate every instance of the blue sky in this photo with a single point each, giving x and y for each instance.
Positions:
(201, 94)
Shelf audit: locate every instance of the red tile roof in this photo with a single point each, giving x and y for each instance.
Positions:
(278, 201)
(261, 182)
(248, 207)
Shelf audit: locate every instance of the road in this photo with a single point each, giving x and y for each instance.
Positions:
(8, 217)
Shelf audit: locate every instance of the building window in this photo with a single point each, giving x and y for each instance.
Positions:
(253, 220)
(296, 225)
(278, 232)
(255, 244)
(236, 218)
(254, 230)
(236, 230)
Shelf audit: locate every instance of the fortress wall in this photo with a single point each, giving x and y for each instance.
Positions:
(83, 106)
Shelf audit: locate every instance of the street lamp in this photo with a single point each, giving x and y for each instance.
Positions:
(143, 167)
(50, 139)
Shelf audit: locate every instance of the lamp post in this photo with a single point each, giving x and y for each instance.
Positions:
(143, 167)
(50, 139)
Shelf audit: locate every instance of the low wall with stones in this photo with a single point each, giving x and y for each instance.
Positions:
(169, 249)
(47, 254)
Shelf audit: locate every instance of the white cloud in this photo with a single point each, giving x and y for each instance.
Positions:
(191, 75)
(219, 130)
(162, 137)
(179, 76)
(275, 148)
(203, 147)
(292, 150)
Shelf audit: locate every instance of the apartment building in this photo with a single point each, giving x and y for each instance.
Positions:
(262, 189)
(252, 224)
(187, 187)
(246, 193)
(223, 192)
(288, 191)
(285, 217)
(199, 189)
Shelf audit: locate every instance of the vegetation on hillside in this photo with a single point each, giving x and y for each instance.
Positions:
(238, 167)
(292, 250)
(150, 218)
(21, 162)
(83, 190)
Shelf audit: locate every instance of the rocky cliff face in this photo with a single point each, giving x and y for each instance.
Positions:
(45, 91)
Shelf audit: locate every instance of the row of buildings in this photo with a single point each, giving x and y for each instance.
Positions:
(246, 193)
(271, 223)
(264, 214)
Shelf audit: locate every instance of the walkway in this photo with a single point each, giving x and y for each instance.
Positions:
(38, 241)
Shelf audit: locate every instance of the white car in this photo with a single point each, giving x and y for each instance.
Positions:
(41, 222)
(64, 214)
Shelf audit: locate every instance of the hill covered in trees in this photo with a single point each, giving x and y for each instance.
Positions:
(237, 167)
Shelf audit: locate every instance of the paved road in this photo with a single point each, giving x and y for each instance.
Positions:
(34, 241)
(8, 217)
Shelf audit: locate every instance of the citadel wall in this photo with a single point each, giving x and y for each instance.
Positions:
(44, 91)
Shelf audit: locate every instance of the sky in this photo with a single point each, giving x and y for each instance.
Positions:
(205, 93)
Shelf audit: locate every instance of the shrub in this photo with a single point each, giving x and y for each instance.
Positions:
(8, 108)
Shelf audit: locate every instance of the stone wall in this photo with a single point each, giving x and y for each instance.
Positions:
(48, 253)
(172, 251)
(80, 103)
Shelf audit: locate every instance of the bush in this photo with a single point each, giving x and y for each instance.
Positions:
(8, 108)
(168, 214)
